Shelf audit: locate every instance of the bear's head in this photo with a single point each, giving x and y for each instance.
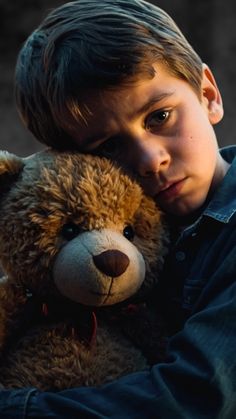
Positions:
(76, 225)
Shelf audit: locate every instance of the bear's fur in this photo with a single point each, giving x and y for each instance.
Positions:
(81, 247)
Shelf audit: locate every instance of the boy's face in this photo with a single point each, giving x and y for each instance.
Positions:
(162, 132)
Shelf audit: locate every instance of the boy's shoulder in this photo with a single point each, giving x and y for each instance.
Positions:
(222, 206)
(229, 154)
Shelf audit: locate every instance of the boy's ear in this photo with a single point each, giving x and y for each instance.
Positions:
(211, 96)
(10, 168)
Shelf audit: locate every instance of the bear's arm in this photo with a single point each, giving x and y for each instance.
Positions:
(12, 302)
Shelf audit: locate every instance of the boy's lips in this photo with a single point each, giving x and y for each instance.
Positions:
(170, 190)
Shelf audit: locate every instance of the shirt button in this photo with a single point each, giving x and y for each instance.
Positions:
(180, 256)
(188, 300)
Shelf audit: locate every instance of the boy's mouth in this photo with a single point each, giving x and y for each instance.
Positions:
(170, 190)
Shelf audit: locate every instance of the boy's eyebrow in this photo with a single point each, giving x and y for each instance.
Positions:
(152, 101)
(90, 140)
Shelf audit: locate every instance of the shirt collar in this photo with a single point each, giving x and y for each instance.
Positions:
(223, 204)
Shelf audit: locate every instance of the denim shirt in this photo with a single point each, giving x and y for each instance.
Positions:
(199, 378)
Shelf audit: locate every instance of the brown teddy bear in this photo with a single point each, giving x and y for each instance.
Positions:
(81, 247)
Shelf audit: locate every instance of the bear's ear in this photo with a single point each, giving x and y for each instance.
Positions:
(10, 167)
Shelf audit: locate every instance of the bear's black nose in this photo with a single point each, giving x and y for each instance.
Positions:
(111, 262)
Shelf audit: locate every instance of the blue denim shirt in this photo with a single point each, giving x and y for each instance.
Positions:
(199, 378)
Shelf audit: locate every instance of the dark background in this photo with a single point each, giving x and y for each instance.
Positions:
(209, 25)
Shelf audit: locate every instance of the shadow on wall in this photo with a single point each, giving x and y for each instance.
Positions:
(209, 28)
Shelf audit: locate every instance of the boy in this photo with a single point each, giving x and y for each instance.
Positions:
(117, 78)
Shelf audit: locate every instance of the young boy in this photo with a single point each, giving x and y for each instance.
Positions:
(117, 78)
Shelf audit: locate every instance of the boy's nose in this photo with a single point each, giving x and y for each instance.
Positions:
(150, 159)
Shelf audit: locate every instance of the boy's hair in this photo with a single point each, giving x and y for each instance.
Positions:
(89, 45)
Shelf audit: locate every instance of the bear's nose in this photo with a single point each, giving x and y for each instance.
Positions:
(111, 262)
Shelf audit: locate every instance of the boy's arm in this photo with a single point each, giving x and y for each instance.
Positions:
(198, 381)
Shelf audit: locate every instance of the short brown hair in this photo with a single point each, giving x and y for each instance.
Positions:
(90, 44)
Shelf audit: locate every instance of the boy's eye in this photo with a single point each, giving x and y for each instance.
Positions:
(110, 148)
(156, 119)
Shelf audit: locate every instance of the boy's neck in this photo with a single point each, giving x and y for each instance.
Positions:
(184, 221)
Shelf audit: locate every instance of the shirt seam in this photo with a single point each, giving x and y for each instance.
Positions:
(28, 395)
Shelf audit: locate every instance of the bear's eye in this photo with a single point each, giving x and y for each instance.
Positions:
(70, 230)
(128, 232)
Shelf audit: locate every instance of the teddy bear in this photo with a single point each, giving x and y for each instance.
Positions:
(81, 248)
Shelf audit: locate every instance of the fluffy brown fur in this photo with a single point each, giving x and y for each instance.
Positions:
(50, 340)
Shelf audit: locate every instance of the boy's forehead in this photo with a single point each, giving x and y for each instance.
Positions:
(112, 96)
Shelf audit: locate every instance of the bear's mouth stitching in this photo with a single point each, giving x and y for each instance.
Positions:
(102, 294)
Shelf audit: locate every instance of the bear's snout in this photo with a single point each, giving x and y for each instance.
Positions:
(111, 262)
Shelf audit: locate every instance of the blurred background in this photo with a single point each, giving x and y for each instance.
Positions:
(209, 25)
